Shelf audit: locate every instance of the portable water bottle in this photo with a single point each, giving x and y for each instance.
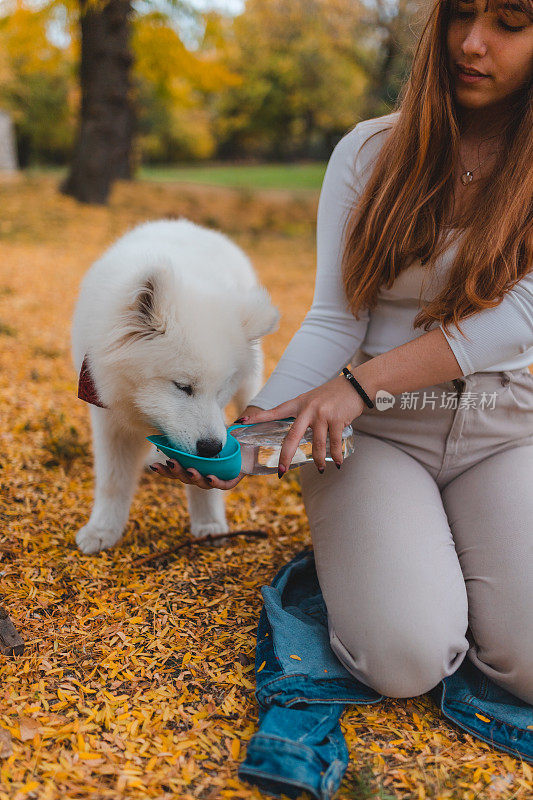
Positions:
(261, 444)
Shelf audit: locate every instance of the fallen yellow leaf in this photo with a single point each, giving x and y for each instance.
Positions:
(6, 745)
(29, 728)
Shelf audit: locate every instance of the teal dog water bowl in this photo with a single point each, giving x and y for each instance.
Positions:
(226, 465)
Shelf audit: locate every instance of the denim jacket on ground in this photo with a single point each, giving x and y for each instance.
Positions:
(302, 689)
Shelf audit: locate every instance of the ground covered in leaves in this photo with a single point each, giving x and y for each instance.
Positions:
(138, 680)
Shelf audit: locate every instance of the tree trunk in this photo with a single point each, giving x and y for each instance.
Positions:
(103, 150)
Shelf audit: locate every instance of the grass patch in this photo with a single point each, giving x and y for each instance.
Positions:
(299, 176)
(252, 176)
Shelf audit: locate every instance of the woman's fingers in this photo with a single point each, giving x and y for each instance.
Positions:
(211, 481)
(320, 435)
(335, 442)
(320, 427)
(162, 469)
(173, 469)
(291, 442)
(286, 409)
(217, 483)
(187, 475)
(191, 476)
(197, 479)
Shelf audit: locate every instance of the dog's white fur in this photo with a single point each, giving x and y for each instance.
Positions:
(169, 302)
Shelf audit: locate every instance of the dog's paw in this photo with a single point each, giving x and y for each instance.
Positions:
(206, 528)
(91, 539)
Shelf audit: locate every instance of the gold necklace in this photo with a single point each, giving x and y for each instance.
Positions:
(468, 175)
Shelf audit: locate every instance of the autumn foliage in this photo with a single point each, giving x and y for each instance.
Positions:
(284, 79)
(138, 678)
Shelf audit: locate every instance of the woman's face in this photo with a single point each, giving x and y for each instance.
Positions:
(495, 38)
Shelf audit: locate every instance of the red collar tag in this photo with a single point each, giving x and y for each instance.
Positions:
(86, 387)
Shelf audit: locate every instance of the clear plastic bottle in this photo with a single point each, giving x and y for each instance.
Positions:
(261, 446)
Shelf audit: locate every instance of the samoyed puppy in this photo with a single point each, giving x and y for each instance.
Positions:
(166, 332)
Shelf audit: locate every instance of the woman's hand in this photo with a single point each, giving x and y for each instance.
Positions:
(173, 469)
(328, 408)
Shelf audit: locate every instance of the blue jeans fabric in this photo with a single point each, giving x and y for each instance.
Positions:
(302, 689)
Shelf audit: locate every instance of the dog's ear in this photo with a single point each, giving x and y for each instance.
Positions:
(145, 317)
(144, 304)
(259, 316)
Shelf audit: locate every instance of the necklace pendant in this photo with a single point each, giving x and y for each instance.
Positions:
(467, 177)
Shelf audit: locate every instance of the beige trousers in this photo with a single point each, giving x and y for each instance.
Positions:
(423, 539)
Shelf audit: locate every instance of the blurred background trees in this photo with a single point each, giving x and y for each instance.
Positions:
(37, 81)
(166, 81)
(103, 149)
(302, 74)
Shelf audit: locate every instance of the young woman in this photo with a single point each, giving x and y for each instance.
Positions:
(423, 539)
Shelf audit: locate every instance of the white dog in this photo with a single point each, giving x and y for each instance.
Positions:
(166, 332)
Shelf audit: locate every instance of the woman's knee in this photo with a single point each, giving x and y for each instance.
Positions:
(402, 662)
(507, 658)
(521, 682)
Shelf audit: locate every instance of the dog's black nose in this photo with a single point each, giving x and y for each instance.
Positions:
(207, 448)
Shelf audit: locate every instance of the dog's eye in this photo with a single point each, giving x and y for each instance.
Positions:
(183, 387)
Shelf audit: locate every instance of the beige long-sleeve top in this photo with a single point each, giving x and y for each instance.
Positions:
(329, 337)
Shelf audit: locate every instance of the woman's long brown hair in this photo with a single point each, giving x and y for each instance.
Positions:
(405, 206)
